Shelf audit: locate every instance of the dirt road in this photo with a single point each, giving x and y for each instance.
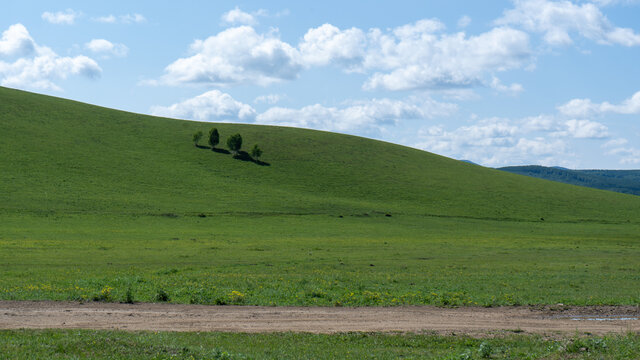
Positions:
(172, 317)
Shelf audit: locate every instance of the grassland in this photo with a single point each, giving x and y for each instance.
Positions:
(96, 203)
(73, 344)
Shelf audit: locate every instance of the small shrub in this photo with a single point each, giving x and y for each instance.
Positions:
(256, 152)
(220, 301)
(128, 297)
(104, 294)
(485, 350)
(236, 297)
(196, 137)
(162, 296)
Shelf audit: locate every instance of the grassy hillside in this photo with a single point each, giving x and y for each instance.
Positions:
(64, 156)
(96, 203)
(623, 181)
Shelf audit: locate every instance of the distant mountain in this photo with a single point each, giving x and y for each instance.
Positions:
(622, 181)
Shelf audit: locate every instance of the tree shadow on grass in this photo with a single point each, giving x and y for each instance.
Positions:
(241, 155)
(221, 151)
(244, 156)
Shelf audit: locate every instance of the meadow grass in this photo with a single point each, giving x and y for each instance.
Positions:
(320, 260)
(73, 344)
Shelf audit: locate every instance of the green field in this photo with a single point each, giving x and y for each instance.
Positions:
(74, 344)
(97, 203)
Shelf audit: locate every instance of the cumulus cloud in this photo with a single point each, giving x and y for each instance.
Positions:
(558, 20)
(464, 21)
(413, 56)
(67, 17)
(123, 19)
(328, 44)
(513, 89)
(106, 48)
(358, 115)
(585, 129)
(494, 142)
(627, 155)
(213, 105)
(239, 17)
(234, 56)
(16, 41)
(585, 107)
(543, 139)
(269, 99)
(416, 57)
(37, 67)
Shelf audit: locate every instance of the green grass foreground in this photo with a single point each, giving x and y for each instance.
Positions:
(74, 344)
(321, 260)
(98, 204)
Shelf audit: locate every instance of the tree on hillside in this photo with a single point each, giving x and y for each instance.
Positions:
(214, 138)
(256, 152)
(196, 137)
(234, 142)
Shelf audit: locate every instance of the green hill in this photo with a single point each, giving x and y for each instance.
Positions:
(64, 156)
(97, 203)
(623, 181)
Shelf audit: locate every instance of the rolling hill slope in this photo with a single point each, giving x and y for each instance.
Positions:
(64, 156)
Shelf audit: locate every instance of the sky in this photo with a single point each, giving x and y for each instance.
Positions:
(499, 83)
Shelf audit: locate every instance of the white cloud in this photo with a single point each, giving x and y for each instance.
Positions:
(423, 59)
(39, 66)
(213, 105)
(233, 56)
(464, 21)
(41, 71)
(16, 41)
(359, 115)
(269, 99)
(239, 17)
(615, 2)
(132, 18)
(578, 107)
(615, 143)
(413, 56)
(513, 89)
(542, 139)
(585, 129)
(327, 44)
(108, 19)
(123, 19)
(585, 107)
(494, 142)
(557, 20)
(544, 123)
(106, 48)
(66, 17)
(628, 155)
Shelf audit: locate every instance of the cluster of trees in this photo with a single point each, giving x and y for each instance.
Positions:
(234, 142)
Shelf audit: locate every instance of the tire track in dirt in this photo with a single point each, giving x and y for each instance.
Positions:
(175, 317)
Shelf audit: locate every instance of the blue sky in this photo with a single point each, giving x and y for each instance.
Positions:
(499, 83)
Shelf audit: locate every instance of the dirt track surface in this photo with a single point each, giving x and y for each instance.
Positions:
(173, 317)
